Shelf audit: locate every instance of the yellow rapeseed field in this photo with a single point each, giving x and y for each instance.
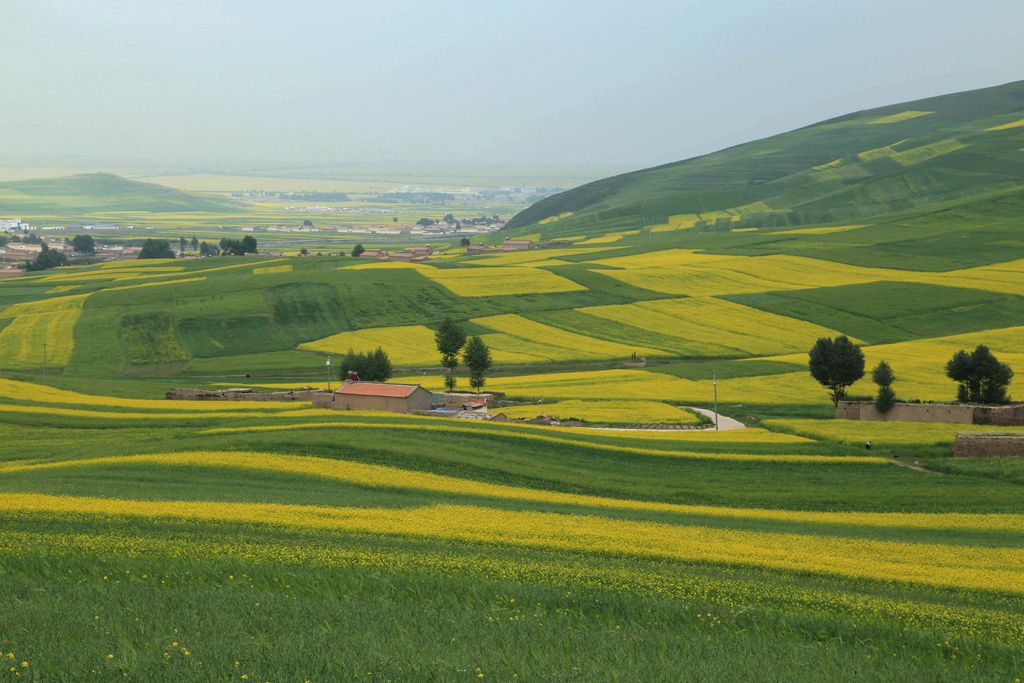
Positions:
(382, 476)
(896, 118)
(1006, 126)
(682, 272)
(504, 281)
(45, 394)
(991, 568)
(283, 268)
(926, 152)
(819, 231)
(715, 327)
(521, 336)
(50, 322)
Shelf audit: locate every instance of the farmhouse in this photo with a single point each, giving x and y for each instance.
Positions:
(394, 398)
(517, 245)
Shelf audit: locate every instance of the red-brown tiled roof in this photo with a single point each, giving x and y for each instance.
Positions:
(378, 389)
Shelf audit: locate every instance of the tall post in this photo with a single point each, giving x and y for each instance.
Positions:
(328, 373)
(714, 383)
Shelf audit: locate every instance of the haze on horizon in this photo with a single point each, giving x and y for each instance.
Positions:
(569, 83)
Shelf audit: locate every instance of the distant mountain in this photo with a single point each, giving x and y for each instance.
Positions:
(101, 192)
(856, 168)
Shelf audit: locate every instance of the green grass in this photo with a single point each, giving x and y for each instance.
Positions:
(881, 312)
(172, 599)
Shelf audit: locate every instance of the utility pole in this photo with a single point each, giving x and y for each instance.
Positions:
(328, 373)
(714, 383)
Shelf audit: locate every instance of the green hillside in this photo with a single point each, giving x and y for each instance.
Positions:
(101, 192)
(958, 156)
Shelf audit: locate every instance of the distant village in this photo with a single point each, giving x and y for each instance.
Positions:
(21, 241)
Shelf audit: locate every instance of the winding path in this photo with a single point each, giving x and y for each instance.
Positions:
(724, 423)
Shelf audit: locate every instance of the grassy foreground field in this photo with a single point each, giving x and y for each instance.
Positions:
(166, 541)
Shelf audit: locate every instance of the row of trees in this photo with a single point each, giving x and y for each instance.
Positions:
(158, 248)
(452, 342)
(838, 363)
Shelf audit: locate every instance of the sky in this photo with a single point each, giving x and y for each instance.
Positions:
(528, 83)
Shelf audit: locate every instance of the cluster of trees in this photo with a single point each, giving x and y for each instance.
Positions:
(838, 363)
(981, 378)
(452, 342)
(47, 258)
(246, 245)
(372, 366)
(156, 248)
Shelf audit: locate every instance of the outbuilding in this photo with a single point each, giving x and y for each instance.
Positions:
(394, 398)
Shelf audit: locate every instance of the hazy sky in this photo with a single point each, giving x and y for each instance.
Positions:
(549, 82)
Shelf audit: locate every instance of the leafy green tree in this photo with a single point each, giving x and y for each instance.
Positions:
(478, 359)
(380, 365)
(83, 244)
(980, 377)
(249, 244)
(208, 249)
(153, 248)
(958, 369)
(836, 364)
(47, 258)
(883, 376)
(450, 338)
(358, 250)
(195, 244)
(182, 243)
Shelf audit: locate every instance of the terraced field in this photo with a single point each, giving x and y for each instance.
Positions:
(174, 540)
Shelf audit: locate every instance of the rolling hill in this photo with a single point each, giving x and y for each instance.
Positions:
(956, 156)
(91, 193)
